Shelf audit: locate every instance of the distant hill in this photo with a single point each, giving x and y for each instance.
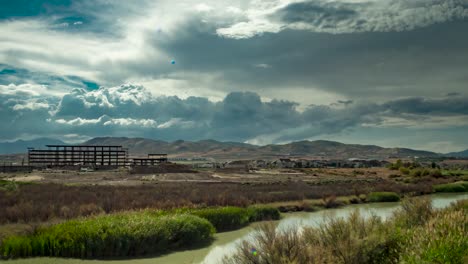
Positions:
(235, 150)
(461, 154)
(21, 146)
(231, 150)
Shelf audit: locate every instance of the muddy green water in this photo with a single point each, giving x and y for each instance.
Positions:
(225, 243)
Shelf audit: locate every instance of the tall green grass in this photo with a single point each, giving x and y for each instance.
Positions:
(130, 234)
(229, 217)
(383, 197)
(133, 234)
(452, 187)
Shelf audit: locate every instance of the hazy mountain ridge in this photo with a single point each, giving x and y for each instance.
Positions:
(460, 154)
(231, 150)
(217, 149)
(20, 146)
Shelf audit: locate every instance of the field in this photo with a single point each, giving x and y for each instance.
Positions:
(46, 196)
(38, 200)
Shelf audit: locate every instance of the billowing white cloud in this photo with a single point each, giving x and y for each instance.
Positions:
(130, 110)
(398, 54)
(31, 105)
(27, 89)
(108, 121)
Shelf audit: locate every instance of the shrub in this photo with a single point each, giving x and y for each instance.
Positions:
(224, 218)
(418, 172)
(46, 199)
(338, 240)
(452, 187)
(404, 170)
(354, 200)
(9, 186)
(331, 202)
(436, 173)
(440, 236)
(89, 209)
(383, 197)
(261, 213)
(413, 212)
(443, 239)
(229, 218)
(129, 234)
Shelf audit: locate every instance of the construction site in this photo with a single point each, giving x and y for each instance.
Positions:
(103, 156)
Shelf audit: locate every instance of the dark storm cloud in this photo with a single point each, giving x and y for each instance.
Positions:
(325, 14)
(424, 106)
(370, 16)
(401, 55)
(242, 116)
(423, 62)
(345, 102)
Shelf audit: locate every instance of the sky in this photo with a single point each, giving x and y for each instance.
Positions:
(392, 73)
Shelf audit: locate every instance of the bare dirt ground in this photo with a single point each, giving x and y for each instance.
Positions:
(123, 177)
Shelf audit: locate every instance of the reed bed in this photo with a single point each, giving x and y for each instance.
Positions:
(123, 235)
(452, 187)
(376, 197)
(133, 233)
(415, 234)
(47, 202)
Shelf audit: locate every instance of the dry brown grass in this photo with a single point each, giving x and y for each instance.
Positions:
(43, 202)
(415, 234)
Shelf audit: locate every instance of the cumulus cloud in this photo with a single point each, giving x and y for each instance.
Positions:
(130, 110)
(108, 121)
(326, 60)
(30, 106)
(27, 89)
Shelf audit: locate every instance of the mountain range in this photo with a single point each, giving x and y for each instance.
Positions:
(21, 146)
(235, 150)
(461, 154)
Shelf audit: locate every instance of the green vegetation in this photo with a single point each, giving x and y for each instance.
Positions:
(452, 187)
(414, 234)
(376, 197)
(10, 186)
(262, 213)
(129, 234)
(415, 169)
(133, 233)
(455, 173)
(229, 217)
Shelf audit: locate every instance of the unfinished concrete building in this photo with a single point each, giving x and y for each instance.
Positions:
(78, 155)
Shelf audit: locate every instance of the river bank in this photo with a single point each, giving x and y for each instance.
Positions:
(225, 243)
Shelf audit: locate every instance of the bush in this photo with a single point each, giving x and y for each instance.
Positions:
(452, 187)
(122, 235)
(418, 172)
(229, 218)
(331, 202)
(436, 173)
(404, 170)
(353, 240)
(224, 218)
(443, 239)
(413, 212)
(383, 197)
(262, 213)
(438, 236)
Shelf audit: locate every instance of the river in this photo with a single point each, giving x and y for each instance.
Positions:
(226, 242)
